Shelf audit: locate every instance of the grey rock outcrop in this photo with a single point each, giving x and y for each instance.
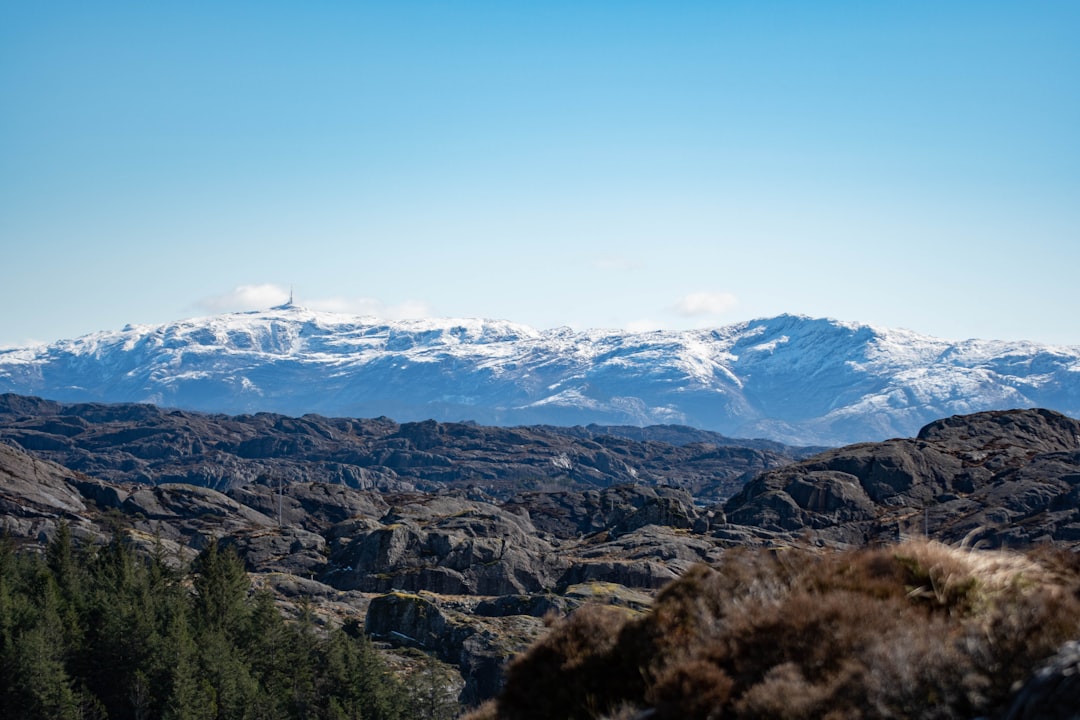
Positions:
(290, 550)
(1053, 692)
(142, 443)
(315, 506)
(468, 569)
(448, 545)
(37, 495)
(479, 647)
(1008, 477)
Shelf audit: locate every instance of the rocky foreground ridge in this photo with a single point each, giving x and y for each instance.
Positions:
(466, 571)
(917, 629)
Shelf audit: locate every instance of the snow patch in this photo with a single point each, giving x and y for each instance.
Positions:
(815, 380)
(562, 461)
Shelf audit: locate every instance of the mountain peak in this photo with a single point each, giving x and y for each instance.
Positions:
(792, 378)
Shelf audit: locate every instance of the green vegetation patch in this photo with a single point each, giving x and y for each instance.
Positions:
(108, 632)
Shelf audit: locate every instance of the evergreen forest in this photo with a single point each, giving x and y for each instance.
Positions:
(107, 632)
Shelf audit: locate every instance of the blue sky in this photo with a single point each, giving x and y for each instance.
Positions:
(591, 164)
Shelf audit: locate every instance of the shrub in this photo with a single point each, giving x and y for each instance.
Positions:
(569, 673)
(918, 630)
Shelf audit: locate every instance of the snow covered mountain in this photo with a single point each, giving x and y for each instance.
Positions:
(790, 378)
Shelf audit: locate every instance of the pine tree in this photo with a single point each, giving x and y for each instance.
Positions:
(432, 692)
(37, 684)
(222, 665)
(113, 634)
(266, 643)
(120, 632)
(8, 599)
(358, 681)
(70, 579)
(221, 587)
(189, 697)
(42, 688)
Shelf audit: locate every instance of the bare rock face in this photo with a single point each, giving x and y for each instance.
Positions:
(448, 545)
(315, 506)
(537, 605)
(35, 488)
(650, 542)
(572, 514)
(1053, 692)
(36, 495)
(417, 620)
(189, 514)
(142, 443)
(1030, 432)
(514, 522)
(1006, 477)
(294, 551)
(650, 574)
(479, 646)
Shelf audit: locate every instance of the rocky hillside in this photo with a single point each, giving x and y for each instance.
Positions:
(144, 443)
(466, 571)
(795, 379)
(1008, 478)
(464, 579)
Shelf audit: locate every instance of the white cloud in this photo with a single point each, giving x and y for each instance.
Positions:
(703, 303)
(265, 296)
(406, 310)
(28, 344)
(614, 264)
(644, 325)
(246, 297)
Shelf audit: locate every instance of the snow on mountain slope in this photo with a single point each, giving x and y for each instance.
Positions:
(791, 378)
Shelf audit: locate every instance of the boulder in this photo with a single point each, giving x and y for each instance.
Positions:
(290, 550)
(445, 544)
(1053, 692)
(645, 574)
(479, 647)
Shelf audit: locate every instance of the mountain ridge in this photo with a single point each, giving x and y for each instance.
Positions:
(127, 442)
(792, 378)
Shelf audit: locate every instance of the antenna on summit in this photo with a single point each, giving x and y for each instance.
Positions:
(286, 305)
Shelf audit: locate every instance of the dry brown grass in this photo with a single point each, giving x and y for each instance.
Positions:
(918, 630)
(569, 673)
